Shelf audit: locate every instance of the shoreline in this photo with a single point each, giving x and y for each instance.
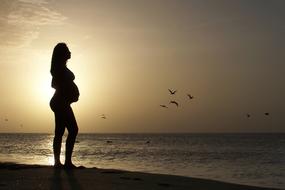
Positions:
(23, 176)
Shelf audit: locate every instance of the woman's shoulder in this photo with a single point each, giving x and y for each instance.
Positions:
(63, 74)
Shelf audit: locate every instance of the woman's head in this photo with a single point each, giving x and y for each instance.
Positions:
(60, 56)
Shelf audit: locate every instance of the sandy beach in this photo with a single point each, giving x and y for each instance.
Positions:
(20, 176)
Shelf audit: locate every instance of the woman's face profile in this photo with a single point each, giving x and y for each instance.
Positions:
(67, 53)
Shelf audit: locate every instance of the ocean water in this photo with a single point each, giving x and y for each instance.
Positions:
(252, 159)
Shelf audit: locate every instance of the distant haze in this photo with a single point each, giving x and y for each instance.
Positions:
(126, 55)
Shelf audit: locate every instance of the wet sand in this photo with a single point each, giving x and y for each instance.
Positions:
(20, 176)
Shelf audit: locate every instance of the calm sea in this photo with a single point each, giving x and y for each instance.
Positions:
(253, 159)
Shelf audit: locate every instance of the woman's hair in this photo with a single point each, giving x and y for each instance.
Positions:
(59, 57)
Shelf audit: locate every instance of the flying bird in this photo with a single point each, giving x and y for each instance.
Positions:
(172, 92)
(266, 113)
(248, 115)
(190, 96)
(174, 102)
(163, 106)
(6, 119)
(103, 116)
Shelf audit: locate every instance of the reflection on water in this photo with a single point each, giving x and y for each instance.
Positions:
(255, 159)
(28, 148)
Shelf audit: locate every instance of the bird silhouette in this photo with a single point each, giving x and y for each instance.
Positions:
(6, 119)
(190, 96)
(163, 106)
(174, 102)
(172, 92)
(266, 113)
(103, 116)
(248, 115)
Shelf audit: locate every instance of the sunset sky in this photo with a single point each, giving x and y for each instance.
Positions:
(125, 54)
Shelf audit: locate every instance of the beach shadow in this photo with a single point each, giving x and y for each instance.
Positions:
(130, 178)
(72, 181)
(164, 184)
(56, 180)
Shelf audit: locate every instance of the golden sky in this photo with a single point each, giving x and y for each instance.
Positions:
(126, 54)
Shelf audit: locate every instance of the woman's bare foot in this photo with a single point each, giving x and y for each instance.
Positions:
(58, 165)
(69, 166)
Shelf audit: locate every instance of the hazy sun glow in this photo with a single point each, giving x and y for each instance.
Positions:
(45, 92)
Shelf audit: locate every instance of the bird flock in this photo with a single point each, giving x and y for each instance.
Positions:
(248, 115)
(190, 97)
(6, 120)
(174, 102)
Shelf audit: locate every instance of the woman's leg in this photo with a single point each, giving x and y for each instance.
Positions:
(59, 131)
(72, 128)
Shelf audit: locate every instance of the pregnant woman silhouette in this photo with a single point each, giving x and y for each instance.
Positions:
(66, 92)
